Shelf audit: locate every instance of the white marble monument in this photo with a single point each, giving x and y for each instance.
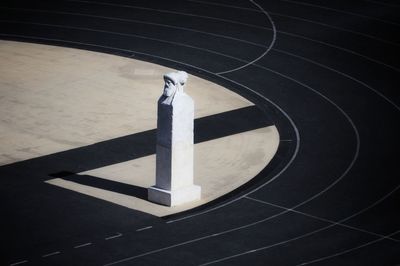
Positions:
(174, 160)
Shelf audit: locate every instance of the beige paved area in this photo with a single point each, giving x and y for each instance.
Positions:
(54, 99)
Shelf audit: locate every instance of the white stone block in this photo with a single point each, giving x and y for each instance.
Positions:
(174, 197)
(174, 160)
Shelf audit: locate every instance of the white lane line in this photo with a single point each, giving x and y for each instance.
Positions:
(309, 233)
(18, 262)
(168, 12)
(341, 11)
(355, 130)
(192, 66)
(285, 242)
(244, 24)
(339, 48)
(239, 40)
(107, 47)
(51, 254)
(337, 28)
(144, 228)
(324, 97)
(189, 65)
(245, 87)
(321, 219)
(266, 28)
(114, 236)
(316, 195)
(330, 186)
(154, 251)
(342, 74)
(300, 19)
(348, 250)
(135, 21)
(268, 48)
(236, 39)
(294, 155)
(126, 35)
(83, 245)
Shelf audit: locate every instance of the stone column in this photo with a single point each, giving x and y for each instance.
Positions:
(174, 159)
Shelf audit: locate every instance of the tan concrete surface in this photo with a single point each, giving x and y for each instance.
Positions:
(54, 99)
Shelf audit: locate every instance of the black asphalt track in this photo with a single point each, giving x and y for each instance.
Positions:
(326, 73)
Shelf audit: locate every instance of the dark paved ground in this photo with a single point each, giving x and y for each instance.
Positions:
(325, 72)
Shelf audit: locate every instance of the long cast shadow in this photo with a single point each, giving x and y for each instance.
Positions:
(142, 144)
(67, 163)
(93, 181)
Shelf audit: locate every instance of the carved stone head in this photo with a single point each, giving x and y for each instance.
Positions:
(174, 83)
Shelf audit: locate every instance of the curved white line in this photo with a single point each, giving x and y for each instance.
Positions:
(212, 34)
(341, 11)
(341, 73)
(127, 35)
(302, 84)
(381, 95)
(297, 135)
(348, 250)
(134, 21)
(271, 217)
(297, 147)
(340, 48)
(343, 113)
(238, 23)
(171, 60)
(271, 180)
(230, 21)
(337, 28)
(321, 219)
(168, 12)
(307, 234)
(266, 51)
(184, 64)
(298, 18)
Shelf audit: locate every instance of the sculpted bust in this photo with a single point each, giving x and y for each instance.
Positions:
(174, 150)
(173, 86)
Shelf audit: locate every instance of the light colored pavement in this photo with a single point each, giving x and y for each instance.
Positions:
(54, 99)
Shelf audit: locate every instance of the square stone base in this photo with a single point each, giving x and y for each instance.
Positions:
(175, 197)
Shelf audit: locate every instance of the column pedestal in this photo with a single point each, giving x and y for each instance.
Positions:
(174, 197)
(174, 155)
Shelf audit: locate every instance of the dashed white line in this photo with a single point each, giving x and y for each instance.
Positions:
(241, 227)
(114, 236)
(83, 245)
(51, 254)
(137, 230)
(144, 228)
(18, 262)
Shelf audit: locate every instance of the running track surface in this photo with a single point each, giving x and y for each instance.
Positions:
(326, 72)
